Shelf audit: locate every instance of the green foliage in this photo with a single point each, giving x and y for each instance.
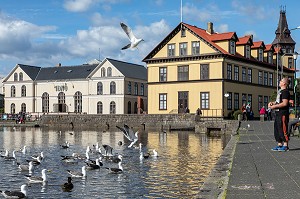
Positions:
(236, 113)
(1, 110)
(273, 96)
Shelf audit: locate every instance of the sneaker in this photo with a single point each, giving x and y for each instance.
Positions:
(276, 148)
(283, 148)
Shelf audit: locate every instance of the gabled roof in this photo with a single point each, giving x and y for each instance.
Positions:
(258, 44)
(202, 34)
(247, 39)
(223, 36)
(31, 71)
(128, 69)
(269, 47)
(66, 72)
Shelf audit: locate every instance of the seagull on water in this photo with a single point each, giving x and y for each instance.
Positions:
(5, 154)
(37, 179)
(133, 40)
(77, 174)
(97, 165)
(15, 194)
(13, 157)
(26, 167)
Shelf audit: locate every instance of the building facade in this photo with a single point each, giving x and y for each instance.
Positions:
(216, 72)
(107, 87)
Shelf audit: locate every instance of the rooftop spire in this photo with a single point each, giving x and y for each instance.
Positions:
(283, 34)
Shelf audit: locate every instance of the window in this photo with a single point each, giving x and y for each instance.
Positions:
(183, 49)
(247, 52)
(13, 91)
(260, 55)
(142, 89)
(112, 88)
(171, 50)
(195, 47)
(290, 62)
(266, 78)
(112, 107)
(204, 71)
(204, 100)
(99, 88)
(260, 78)
(129, 107)
(15, 77)
(136, 92)
(244, 98)
(183, 32)
(270, 57)
(236, 101)
(236, 73)
(162, 101)
(12, 108)
(129, 88)
(61, 98)
(250, 99)
(183, 73)
(244, 74)
(99, 108)
(20, 76)
(135, 108)
(23, 91)
(23, 108)
(232, 47)
(162, 74)
(260, 102)
(266, 101)
(229, 101)
(270, 79)
(102, 72)
(78, 102)
(249, 75)
(45, 103)
(109, 74)
(229, 71)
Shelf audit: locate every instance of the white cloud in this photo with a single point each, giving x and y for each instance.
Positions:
(98, 20)
(222, 28)
(78, 5)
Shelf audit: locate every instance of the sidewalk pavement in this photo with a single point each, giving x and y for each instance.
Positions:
(257, 171)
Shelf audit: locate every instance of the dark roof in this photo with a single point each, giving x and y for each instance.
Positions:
(31, 71)
(66, 72)
(129, 69)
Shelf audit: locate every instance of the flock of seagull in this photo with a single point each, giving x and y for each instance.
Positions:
(103, 158)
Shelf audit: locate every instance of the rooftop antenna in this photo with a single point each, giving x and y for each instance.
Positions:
(181, 11)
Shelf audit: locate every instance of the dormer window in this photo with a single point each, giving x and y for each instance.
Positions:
(270, 57)
(232, 47)
(260, 54)
(247, 51)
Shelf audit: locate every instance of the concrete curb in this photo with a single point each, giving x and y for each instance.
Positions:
(216, 183)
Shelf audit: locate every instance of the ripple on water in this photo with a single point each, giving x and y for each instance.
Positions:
(185, 159)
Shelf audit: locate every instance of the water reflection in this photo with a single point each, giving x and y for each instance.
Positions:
(185, 159)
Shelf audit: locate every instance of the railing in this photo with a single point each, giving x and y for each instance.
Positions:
(211, 114)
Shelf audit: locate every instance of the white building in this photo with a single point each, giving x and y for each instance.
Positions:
(109, 87)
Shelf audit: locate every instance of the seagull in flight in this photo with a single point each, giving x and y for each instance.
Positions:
(129, 134)
(133, 40)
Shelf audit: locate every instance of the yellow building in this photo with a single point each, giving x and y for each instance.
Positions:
(216, 72)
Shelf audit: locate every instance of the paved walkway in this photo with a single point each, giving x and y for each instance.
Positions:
(248, 169)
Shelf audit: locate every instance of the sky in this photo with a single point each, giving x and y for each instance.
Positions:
(73, 32)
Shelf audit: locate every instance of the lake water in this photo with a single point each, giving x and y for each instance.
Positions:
(185, 160)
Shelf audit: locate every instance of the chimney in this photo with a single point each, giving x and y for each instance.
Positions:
(58, 65)
(210, 28)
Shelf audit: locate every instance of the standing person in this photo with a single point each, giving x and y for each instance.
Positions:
(269, 114)
(244, 112)
(281, 108)
(262, 113)
(248, 110)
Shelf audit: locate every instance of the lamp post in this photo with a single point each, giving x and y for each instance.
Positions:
(295, 56)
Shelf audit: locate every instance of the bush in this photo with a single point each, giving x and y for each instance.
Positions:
(236, 113)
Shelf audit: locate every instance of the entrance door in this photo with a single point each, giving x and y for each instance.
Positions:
(183, 100)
